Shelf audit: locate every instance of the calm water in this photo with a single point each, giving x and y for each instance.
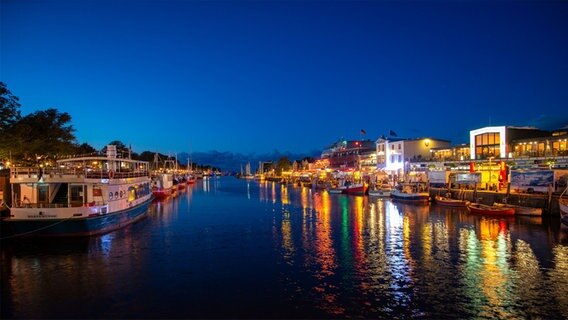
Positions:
(231, 249)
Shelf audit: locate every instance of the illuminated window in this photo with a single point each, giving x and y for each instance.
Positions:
(487, 145)
(131, 194)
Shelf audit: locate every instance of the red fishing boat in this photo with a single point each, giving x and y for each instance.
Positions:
(162, 185)
(355, 189)
(479, 208)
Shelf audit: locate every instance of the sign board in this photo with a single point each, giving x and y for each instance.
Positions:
(560, 180)
(438, 178)
(536, 180)
(468, 178)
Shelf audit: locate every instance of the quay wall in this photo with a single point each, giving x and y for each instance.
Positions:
(550, 206)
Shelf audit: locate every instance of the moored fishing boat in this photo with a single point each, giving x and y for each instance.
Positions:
(479, 208)
(448, 202)
(521, 210)
(162, 184)
(181, 183)
(81, 196)
(355, 188)
(383, 191)
(338, 190)
(411, 193)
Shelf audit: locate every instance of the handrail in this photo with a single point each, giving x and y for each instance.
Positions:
(88, 173)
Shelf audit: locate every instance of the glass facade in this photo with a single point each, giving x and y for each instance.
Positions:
(541, 148)
(487, 145)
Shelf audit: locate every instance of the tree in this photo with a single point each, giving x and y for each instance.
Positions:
(43, 134)
(9, 108)
(85, 149)
(283, 164)
(9, 114)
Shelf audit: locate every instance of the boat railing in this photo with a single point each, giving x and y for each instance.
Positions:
(87, 173)
(109, 174)
(24, 204)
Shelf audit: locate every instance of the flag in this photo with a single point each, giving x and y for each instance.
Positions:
(392, 133)
(363, 132)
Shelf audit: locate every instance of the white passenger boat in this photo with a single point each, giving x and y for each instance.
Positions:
(81, 196)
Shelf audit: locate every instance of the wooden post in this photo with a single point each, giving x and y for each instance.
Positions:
(474, 193)
(549, 204)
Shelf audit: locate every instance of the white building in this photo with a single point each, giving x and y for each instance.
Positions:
(395, 154)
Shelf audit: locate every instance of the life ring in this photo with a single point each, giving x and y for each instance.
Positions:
(111, 174)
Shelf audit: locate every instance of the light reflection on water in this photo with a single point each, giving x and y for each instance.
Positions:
(233, 248)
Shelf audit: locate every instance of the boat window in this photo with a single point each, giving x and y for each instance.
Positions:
(76, 195)
(42, 194)
(131, 194)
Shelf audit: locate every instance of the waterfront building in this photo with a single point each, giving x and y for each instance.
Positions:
(520, 148)
(553, 145)
(351, 155)
(459, 152)
(494, 152)
(497, 141)
(395, 155)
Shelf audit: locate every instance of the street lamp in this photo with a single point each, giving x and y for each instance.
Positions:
(490, 171)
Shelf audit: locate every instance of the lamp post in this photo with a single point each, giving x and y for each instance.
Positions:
(490, 172)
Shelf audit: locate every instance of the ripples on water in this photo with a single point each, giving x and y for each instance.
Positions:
(231, 248)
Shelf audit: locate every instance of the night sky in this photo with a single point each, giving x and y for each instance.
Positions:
(293, 76)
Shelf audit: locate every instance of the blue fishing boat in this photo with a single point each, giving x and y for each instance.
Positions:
(80, 196)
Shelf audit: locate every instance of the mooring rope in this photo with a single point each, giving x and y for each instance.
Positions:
(36, 230)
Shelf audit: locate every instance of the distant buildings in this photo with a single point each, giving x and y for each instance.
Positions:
(490, 150)
(394, 154)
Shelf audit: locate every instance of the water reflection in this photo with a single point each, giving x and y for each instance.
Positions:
(243, 249)
(387, 259)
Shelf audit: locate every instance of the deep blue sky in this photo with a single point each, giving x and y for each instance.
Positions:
(258, 76)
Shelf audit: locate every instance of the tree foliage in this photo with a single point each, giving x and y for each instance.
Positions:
(85, 149)
(9, 114)
(9, 108)
(43, 134)
(283, 164)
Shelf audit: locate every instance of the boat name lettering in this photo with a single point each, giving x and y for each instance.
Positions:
(42, 216)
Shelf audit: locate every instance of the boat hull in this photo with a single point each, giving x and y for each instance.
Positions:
(380, 193)
(162, 194)
(442, 201)
(490, 210)
(356, 190)
(77, 227)
(416, 198)
(521, 210)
